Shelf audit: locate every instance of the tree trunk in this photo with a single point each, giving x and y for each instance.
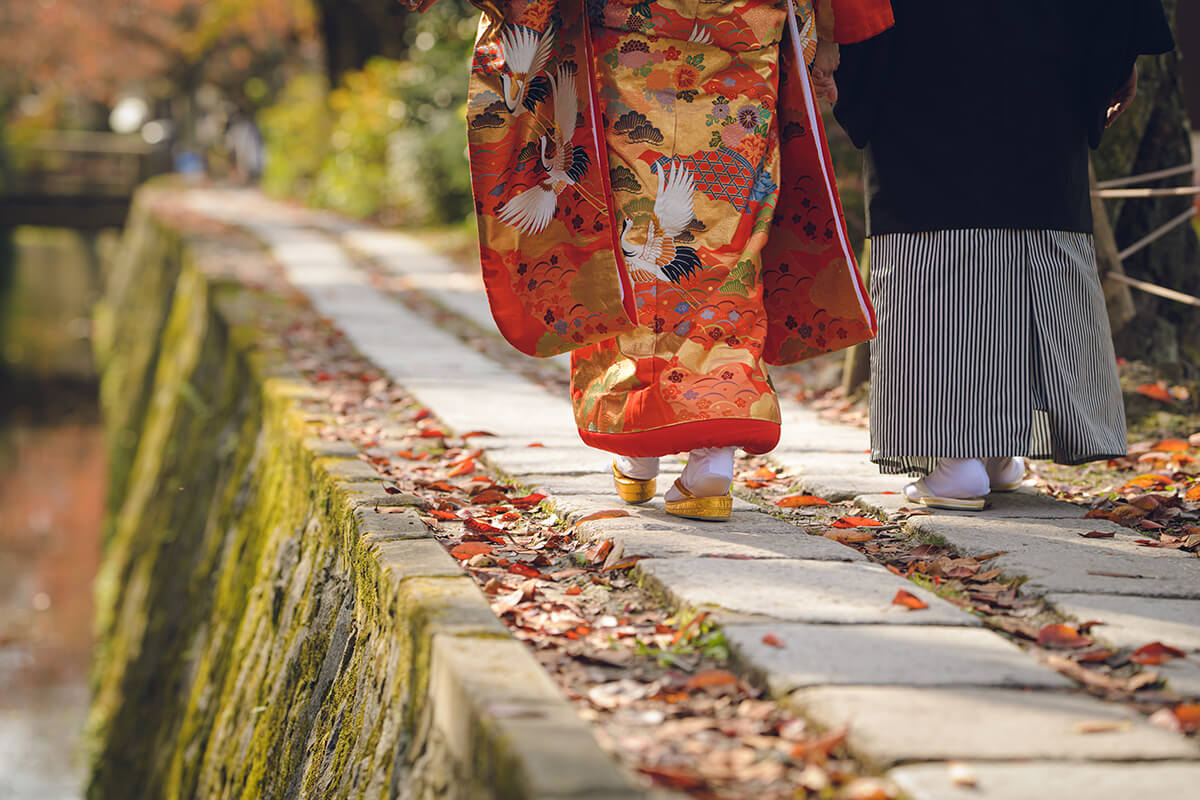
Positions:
(1154, 135)
(1117, 295)
(355, 31)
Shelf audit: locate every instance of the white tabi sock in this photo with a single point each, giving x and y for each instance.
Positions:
(958, 478)
(1004, 471)
(640, 469)
(709, 473)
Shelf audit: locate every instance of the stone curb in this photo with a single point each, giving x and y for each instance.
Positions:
(477, 691)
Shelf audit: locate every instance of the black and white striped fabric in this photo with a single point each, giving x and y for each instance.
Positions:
(991, 343)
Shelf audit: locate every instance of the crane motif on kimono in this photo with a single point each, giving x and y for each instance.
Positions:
(532, 210)
(526, 54)
(661, 257)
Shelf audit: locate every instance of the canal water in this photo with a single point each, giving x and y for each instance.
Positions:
(52, 488)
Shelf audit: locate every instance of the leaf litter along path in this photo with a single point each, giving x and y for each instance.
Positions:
(1124, 675)
(658, 686)
(847, 529)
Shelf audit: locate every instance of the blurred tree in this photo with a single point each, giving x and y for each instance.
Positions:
(96, 48)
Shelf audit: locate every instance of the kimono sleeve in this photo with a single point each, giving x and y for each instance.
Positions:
(850, 21)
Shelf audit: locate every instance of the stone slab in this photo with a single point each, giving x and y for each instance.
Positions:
(804, 430)
(828, 462)
(889, 726)
(1135, 621)
(1051, 781)
(841, 488)
(403, 559)
(797, 591)
(886, 655)
(514, 702)
(748, 534)
(1056, 558)
(1019, 505)
(1182, 676)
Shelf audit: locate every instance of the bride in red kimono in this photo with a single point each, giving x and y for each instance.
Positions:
(654, 194)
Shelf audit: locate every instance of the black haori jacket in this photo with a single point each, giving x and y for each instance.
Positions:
(979, 113)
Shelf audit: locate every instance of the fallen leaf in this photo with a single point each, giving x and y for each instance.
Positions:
(771, 640)
(765, 473)
(909, 601)
(599, 551)
(528, 501)
(1098, 534)
(464, 468)
(1193, 493)
(524, 570)
(421, 414)
(432, 433)
(1062, 635)
(1103, 726)
(1098, 655)
(990, 556)
(471, 434)
(1166, 718)
(711, 679)
(1155, 391)
(624, 563)
(411, 456)
(573, 590)
(535, 444)
(442, 486)
(1151, 480)
(850, 537)
(673, 777)
(479, 526)
(507, 603)
(867, 789)
(467, 549)
(391, 490)
(1084, 675)
(802, 500)
(819, 748)
(443, 515)
(1155, 653)
(857, 522)
(1188, 715)
(1103, 574)
(1171, 446)
(611, 513)
(489, 497)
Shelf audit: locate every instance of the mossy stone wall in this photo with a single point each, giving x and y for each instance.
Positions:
(261, 631)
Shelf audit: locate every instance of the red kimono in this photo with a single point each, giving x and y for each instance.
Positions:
(655, 194)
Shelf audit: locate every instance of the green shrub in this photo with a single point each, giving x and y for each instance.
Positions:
(390, 141)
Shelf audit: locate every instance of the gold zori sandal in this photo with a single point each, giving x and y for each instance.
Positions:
(930, 500)
(714, 509)
(631, 490)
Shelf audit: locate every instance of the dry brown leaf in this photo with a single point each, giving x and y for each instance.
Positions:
(1103, 726)
(1062, 635)
(710, 679)
(1098, 534)
(801, 501)
(465, 550)
(1155, 653)
(1188, 715)
(909, 601)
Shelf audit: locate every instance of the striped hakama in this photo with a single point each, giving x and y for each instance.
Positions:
(991, 343)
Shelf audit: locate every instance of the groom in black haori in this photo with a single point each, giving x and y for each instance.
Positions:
(976, 117)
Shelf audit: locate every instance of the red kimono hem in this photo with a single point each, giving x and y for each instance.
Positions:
(755, 436)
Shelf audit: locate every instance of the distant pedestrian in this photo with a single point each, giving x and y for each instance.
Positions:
(247, 153)
(994, 343)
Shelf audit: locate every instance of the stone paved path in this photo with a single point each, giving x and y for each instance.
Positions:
(918, 690)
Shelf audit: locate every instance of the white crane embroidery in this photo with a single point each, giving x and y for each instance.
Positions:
(661, 258)
(525, 55)
(531, 210)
